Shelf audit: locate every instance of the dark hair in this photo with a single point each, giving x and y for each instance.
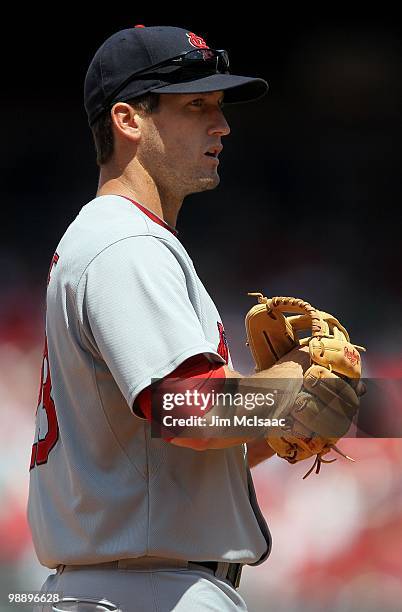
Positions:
(102, 130)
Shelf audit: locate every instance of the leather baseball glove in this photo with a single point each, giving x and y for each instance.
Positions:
(329, 396)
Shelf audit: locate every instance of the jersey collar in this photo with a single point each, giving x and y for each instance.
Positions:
(152, 216)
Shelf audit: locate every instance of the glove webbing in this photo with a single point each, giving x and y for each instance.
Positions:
(291, 304)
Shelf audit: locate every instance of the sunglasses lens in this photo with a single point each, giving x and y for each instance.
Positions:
(223, 62)
(207, 58)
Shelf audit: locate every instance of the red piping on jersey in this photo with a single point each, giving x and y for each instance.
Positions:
(152, 216)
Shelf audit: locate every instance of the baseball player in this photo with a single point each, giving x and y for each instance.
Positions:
(140, 522)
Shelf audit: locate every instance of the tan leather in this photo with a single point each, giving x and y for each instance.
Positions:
(327, 403)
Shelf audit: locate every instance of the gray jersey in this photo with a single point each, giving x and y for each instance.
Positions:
(125, 306)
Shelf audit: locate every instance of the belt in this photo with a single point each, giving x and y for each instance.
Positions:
(221, 569)
(233, 572)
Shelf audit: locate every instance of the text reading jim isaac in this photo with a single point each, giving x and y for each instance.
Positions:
(146, 523)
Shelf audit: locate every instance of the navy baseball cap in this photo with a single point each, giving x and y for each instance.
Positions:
(161, 59)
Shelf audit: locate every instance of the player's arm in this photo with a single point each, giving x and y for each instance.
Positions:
(289, 369)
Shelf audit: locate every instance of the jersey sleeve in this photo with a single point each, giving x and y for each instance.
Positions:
(137, 312)
(197, 372)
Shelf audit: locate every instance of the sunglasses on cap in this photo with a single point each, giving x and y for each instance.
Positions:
(214, 60)
(191, 63)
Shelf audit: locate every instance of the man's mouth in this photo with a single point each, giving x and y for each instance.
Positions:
(213, 151)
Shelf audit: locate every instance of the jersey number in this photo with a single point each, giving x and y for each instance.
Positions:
(46, 417)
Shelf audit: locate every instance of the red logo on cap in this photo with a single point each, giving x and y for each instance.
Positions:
(196, 41)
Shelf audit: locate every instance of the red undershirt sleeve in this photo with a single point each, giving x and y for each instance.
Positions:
(196, 373)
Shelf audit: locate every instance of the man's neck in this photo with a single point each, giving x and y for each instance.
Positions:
(145, 193)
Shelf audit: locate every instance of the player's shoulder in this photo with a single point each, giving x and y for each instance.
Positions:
(113, 224)
(111, 217)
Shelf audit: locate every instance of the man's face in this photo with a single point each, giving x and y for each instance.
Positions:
(181, 140)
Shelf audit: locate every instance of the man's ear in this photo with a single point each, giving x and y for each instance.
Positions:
(125, 121)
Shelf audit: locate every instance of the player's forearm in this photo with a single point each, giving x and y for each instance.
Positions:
(282, 381)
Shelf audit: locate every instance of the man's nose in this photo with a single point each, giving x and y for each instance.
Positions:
(220, 125)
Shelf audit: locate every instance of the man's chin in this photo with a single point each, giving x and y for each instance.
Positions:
(206, 183)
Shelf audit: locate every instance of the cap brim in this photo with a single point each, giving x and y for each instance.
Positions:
(238, 88)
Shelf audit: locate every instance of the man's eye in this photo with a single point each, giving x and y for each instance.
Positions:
(200, 102)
